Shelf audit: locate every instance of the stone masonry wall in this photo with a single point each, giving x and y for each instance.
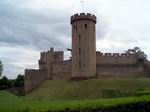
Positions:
(119, 71)
(107, 65)
(115, 58)
(147, 68)
(83, 45)
(33, 78)
(118, 65)
(61, 70)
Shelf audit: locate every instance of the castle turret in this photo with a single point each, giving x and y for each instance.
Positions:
(47, 59)
(83, 45)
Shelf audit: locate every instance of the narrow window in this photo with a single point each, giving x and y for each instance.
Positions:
(79, 64)
(74, 27)
(85, 25)
(79, 38)
(79, 51)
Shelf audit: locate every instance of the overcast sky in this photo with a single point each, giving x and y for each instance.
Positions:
(28, 27)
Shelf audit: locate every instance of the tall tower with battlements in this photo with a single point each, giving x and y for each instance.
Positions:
(83, 45)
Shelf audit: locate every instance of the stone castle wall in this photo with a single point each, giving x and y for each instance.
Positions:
(61, 70)
(61, 67)
(118, 65)
(34, 78)
(115, 58)
(51, 66)
(147, 67)
(107, 65)
(118, 71)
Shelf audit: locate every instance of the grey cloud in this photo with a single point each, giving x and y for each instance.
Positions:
(21, 27)
(102, 28)
(27, 28)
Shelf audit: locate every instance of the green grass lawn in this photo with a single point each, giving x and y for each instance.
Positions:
(84, 96)
(88, 89)
(11, 103)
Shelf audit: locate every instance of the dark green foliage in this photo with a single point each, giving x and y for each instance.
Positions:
(137, 51)
(16, 86)
(19, 81)
(4, 83)
(111, 93)
(142, 92)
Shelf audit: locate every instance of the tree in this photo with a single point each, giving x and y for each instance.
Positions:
(4, 80)
(137, 51)
(1, 68)
(19, 81)
(4, 83)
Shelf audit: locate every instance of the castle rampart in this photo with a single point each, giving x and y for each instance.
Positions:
(83, 16)
(118, 65)
(107, 65)
(62, 67)
(33, 78)
(115, 58)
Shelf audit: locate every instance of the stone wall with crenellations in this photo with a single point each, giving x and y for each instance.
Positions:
(115, 58)
(107, 65)
(34, 78)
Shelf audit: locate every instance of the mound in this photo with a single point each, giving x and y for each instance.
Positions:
(88, 89)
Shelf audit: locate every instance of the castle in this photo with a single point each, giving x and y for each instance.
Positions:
(85, 62)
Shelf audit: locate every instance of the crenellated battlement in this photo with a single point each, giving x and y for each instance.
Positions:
(115, 54)
(83, 16)
(28, 70)
(58, 52)
(31, 70)
(52, 52)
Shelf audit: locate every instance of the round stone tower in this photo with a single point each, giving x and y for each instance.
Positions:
(83, 45)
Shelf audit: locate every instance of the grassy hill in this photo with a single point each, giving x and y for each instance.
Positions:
(83, 96)
(11, 103)
(88, 89)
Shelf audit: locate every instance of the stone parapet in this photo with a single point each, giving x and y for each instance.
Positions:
(115, 54)
(83, 16)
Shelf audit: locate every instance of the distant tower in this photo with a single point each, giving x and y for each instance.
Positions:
(83, 45)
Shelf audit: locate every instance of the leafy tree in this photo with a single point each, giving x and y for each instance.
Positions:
(1, 68)
(137, 51)
(4, 83)
(4, 80)
(19, 81)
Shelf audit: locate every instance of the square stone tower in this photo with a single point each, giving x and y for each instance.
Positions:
(83, 45)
